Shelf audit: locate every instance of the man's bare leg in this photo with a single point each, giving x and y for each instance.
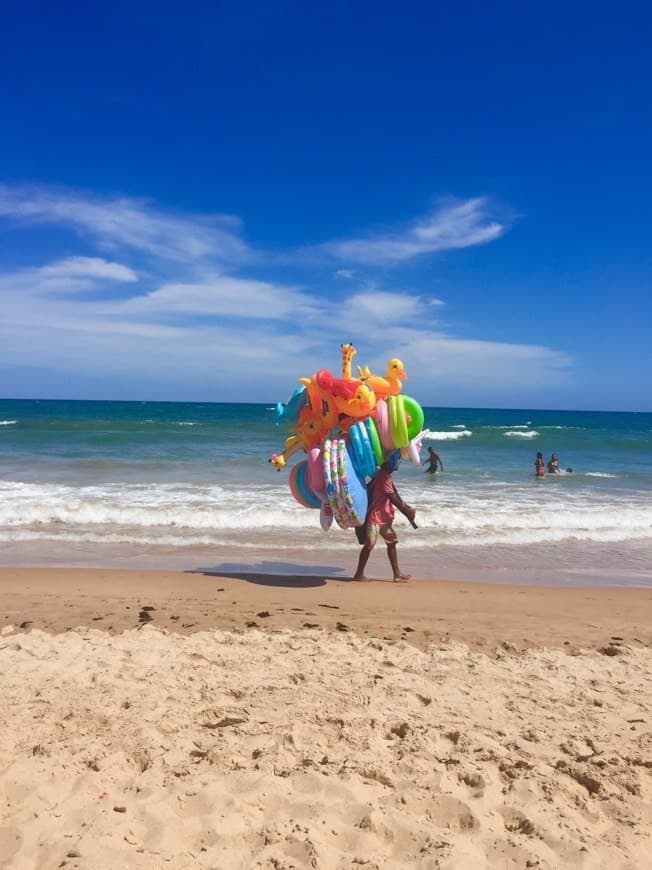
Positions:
(365, 552)
(393, 561)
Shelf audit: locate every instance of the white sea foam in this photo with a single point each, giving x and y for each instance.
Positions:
(8, 422)
(448, 436)
(496, 523)
(513, 433)
(267, 516)
(599, 474)
(148, 421)
(149, 539)
(145, 506)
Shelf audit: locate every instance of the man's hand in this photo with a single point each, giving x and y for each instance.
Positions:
(410, 513)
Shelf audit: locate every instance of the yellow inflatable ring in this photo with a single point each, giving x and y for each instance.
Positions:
(398, 421)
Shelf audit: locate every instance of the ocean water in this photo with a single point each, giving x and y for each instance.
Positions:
(188, 485)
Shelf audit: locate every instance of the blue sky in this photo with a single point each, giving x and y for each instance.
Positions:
(202, 200)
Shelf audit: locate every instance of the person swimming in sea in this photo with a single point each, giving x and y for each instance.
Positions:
(432, 460)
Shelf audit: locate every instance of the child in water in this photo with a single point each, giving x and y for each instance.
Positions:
(539, 468)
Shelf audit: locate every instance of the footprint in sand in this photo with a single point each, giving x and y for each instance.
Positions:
(517, 822)
(475, 781)
(449, 812)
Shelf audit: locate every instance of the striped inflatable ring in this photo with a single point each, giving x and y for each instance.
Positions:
(325, 516)
(336, 503)
(353, 492)
(329, 483)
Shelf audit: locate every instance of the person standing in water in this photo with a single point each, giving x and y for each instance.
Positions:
(539, 465)
(553, 464)
(383, 498)
(432, 460)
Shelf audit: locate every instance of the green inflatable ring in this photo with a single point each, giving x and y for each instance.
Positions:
(374, 437)
(415, 412)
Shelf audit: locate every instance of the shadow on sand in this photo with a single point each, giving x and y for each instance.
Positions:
(275, 573)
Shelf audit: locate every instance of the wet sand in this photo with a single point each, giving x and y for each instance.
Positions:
(483, 616)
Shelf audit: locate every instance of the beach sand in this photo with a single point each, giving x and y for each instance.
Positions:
(188, 720)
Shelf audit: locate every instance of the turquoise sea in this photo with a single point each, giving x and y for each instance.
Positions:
(185, 485)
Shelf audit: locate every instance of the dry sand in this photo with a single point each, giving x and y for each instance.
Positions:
(162, 719)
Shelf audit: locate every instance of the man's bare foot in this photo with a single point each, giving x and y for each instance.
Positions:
(362, 579)
(402, 578)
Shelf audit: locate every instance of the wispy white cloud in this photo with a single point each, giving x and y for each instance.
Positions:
(225, 296)
(70, 275)
(452, 226)
(123, 222)
(377, 307)
(90, 267)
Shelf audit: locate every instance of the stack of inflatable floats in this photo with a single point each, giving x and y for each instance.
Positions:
(347, 427)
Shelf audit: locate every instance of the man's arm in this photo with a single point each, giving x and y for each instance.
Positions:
(400, 505)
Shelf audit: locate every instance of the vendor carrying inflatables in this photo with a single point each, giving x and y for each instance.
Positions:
(347, 427)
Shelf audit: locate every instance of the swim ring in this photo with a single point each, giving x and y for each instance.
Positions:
(414, 412)
(362, 452)
(398, 421)
(382, 424)
(299, 486)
